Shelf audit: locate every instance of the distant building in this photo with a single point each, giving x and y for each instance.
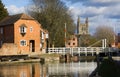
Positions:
(118, 37)
(82, 28)
(117, 41)
(72, 42)
(82, 31)
(23, 31)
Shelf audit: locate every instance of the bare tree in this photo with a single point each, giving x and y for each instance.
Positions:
(53, 15)
(105, 32)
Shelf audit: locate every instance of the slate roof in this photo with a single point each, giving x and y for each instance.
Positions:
(13, 18)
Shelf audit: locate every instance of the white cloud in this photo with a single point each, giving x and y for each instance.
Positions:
(106, 1)
(106, 13)
(12, 9)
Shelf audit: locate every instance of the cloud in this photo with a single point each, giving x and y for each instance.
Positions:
(96, 3)
(100, 12)
(12, 9)
(91, 8)
(113, 12)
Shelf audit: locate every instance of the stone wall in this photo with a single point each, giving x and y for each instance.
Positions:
(9, 49)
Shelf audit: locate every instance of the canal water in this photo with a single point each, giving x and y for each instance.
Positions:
(73, 69)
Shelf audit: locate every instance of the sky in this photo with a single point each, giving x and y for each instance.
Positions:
(99, 12)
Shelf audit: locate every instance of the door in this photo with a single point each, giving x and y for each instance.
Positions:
(32, 46)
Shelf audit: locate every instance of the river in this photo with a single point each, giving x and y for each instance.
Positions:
(73, 69)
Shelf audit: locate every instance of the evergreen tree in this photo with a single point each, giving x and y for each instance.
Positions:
(3, 11)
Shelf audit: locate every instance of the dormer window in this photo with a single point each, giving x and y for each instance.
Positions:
(23, 29)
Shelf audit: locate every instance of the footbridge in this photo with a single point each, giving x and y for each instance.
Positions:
(78, 50)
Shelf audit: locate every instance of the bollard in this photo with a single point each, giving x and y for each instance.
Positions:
(42, 61)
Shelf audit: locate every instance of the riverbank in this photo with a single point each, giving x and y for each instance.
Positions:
(30, 59)
(49, 58)
(20, 61)
(107, 68)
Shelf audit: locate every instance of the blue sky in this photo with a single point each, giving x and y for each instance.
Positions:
(18, 3)
(100, 12)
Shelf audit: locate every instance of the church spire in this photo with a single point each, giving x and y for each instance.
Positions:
(78, 24)
(86, 21)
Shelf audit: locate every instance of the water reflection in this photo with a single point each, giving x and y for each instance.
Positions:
(80, 69)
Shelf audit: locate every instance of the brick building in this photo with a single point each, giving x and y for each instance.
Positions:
(72, 42)
(23, 31)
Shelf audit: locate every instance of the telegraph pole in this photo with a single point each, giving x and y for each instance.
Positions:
(65, 34)
(114, 35)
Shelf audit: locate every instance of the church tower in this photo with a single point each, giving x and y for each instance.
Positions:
(82, 28)
(87, 23)
(82, 32)
(78, 23)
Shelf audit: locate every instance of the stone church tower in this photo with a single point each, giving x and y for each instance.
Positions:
(82, 28)
(82, 32)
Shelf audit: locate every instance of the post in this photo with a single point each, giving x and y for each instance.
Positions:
(72, 51)
(85, 51)
(79, 52)
(47, 45)
(103, 45)
(98, 64)
(92, 51)
(65, 34)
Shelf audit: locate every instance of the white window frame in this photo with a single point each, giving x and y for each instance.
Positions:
(42, 35)
(47, 35)
(23, 29)
(31, 29)
(24, 43)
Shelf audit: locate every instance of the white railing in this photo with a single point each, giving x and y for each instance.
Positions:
(78, 50)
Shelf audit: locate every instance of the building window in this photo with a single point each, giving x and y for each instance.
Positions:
(23, 43)
(1, 30)
(23, 29)
(73, 43)
(69, 43)
(31, 29)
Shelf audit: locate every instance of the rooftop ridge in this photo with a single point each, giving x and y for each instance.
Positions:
(13, 18)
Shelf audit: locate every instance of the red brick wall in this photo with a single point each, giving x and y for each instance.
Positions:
(34, 35)
(9, 49)
(72, 42)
